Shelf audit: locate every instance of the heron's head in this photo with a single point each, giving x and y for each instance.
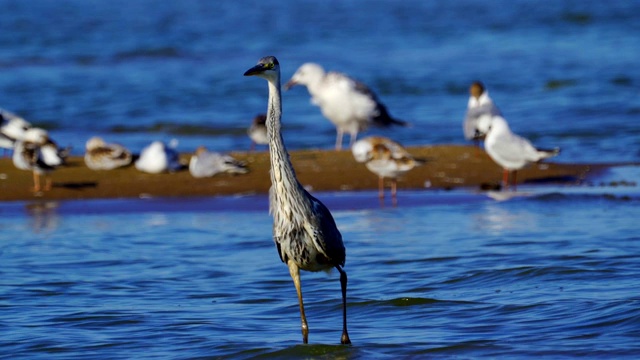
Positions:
(267, 68)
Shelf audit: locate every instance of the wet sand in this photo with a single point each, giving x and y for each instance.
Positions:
(448, 166)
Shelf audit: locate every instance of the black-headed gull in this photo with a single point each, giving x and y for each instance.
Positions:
(480, 104)
(258, 131)
(385, 158)
(158, 158)
(204, 163)
(100, 155)
(38, 153)
(511, 151)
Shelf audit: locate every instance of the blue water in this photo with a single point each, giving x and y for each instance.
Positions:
(564, 73)
(551, 271)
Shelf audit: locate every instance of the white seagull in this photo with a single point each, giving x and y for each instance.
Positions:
(157, 158)
(480, 104)
(102, 156)
(385, 158)
(349, 104)
(38, 153)
(512, 152)
(258, 131)
(12, 128)
(206, 163)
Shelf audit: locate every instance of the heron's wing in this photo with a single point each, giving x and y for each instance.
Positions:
(327, 237)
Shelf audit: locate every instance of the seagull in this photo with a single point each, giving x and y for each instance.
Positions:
(206, 163)
(258, 131)
(12, 128)
(512, 152)
(385, 158)
(38, 153)
(102, 156)
(305, 234)
(480, 104)
(157, 158)
(349, 104)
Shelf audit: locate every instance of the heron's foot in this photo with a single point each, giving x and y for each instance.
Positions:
(345, 338)
(305, 334)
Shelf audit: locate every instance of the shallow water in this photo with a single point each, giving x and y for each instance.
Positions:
(548, 271)
(457, 273)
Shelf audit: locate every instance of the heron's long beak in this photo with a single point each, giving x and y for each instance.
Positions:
(256, 70)
(291, 83)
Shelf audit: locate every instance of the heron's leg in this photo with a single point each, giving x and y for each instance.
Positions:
(339, 138)
(343, 285)
(295, 275)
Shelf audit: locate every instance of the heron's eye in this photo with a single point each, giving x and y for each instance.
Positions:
(268, 66)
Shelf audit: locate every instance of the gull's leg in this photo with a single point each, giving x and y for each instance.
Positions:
(295, 275)
(353, 137)
(47, 182)
(505, 178)
(36, 182)
(344, 339)
(394, 191)
(339, 139)
(514, 180)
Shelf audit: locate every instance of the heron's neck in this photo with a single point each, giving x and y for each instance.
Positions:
(283, 176)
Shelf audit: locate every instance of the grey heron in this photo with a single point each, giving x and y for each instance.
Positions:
(349, 104)
(305, 233)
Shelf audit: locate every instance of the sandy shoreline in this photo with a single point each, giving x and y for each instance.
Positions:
(448, 166)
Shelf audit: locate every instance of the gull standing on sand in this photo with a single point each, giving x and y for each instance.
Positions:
(258, 131)
(512, 152)
(349, 104)
(157, 158)
(206, 163)
(102, 156)
(12, 128)
(304, 231)
(479, 105)
(385, 158)
(36, 152)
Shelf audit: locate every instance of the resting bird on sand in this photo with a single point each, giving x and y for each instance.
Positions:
(385, 158)
(12, 128)
(349, 104)
(205, 163)
(480, 104)
(157, 158)
(102, 156)
(258, 131)
(36, 152)
(512, 152)
(305, 234)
